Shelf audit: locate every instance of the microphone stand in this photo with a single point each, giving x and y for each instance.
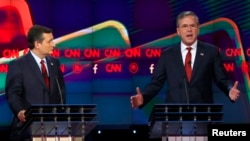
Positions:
(60, 92)
(186, 90)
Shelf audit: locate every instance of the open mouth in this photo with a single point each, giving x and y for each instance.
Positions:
(189, 35)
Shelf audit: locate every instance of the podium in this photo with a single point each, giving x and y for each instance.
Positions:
(59, 122)
(183, 122)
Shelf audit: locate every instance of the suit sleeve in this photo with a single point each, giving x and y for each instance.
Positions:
(14, 88)
(221, 78)
(61, 82)
(157, 81)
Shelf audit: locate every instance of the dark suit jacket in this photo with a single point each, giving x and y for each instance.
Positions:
(25, 86)
(207, 67)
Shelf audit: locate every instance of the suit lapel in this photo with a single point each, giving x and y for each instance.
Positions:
(200, 53)
(178, 57)
(50, 66)
(35, 68)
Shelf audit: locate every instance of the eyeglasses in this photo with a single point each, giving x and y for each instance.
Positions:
(186, 26)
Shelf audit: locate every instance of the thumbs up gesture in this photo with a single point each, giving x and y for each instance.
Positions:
(136, 100)
(234, 92)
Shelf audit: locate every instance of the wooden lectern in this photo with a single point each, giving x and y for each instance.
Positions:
(60, 122)
(183, 122)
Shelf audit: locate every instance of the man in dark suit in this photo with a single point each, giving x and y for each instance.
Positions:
(26, 82)
(204, 64)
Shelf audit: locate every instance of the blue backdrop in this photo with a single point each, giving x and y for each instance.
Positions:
(98, 25)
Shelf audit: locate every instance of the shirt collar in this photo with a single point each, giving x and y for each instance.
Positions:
(183, 46)
(38, 60)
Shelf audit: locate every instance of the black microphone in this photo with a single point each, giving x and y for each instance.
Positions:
(60, 90)
(186, 90)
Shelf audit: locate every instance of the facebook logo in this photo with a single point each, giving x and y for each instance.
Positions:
(151, 68)
(95, 68)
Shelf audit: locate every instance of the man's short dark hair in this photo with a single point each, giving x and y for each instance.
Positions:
(36, 34)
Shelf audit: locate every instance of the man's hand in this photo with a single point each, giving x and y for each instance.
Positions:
(136, 100)
(21, 115)
(234, 92)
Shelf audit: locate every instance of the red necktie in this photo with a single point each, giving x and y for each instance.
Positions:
(188, 67)
(44, 73)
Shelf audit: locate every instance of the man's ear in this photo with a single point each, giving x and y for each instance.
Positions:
(37, 44)
(177, 30)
